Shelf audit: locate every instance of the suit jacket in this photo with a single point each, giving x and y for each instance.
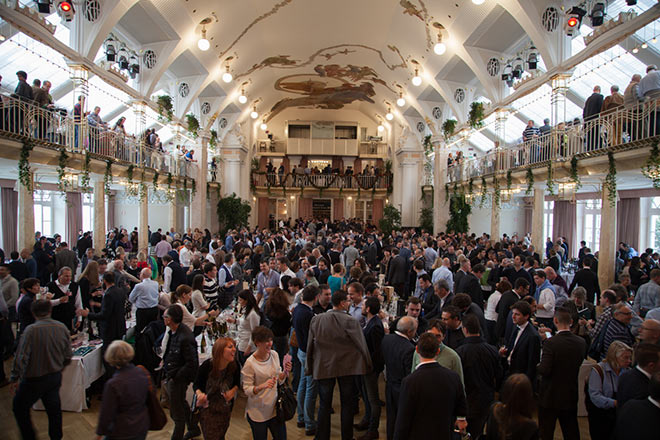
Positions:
(638, 419)
(526, 353)
(373, 334)
(18, 270)
(592, 106)
(112, 317)
(398, 354)
(470, 284)
(66, 258)
(437, 311)
(508, 299)
(589, 280)
(372, 255)
(398, 272)
(633, 384)
(336, 346)
(482, 372)
(560, 364)
(431, 399)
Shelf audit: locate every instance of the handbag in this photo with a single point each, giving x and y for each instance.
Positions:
(286, 403)
(293, 340)
(157, 417)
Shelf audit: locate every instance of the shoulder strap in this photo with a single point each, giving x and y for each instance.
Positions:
(600, 372)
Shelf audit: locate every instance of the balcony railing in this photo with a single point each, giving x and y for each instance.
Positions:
(321, 181)
(622, 128)
(25, 121)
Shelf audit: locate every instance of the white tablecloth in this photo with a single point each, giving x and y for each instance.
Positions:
(568, 277)
(76, 378)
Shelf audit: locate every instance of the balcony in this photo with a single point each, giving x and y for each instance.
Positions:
(261, 179)
(372, 149)
(626, 128)
(55, 129)
(269, 147)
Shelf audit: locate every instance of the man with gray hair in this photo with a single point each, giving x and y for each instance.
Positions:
(145, 298)
(444, 273)
(445, 297)
(649, 86)
(66, 300)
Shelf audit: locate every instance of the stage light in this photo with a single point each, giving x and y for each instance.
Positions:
(417, 80)
(65, 10)
(573, 20)
(203, 44)
(518, 68)
(533, 58)
(43, 6)
(631, 2)
(134, 65)
(110, 49)
(123, 58)
(598, 14)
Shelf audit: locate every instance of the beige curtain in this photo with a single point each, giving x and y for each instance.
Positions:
(563, 224)
(627, 222)
(9, 220)
(73, 217)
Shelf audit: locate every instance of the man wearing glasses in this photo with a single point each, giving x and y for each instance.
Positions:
(618, 329)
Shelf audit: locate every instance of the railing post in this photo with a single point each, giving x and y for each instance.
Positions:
(559, 84)
(79, 77)
(139, 109)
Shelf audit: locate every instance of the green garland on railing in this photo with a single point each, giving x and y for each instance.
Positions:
(470, 186)
(193, 188)
(154, 181)
(170, 194)
(129, 174)
(550, 182)
(509, 180)
(446, 192)
(610, 179)
(574, 176)
(24, 174)
(107, 177)
(84, 177)
(484, 193)
(651, 168)
(143, 187)
(530, 181)
(496, 191)
(62, 162)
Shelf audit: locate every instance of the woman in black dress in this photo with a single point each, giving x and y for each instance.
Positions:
(216, 386)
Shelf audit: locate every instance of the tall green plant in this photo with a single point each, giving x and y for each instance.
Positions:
(448, 127)
(391, 220)
(476, 115)
(426, 219)
(193, 125)
(459, 211)
(233, 213)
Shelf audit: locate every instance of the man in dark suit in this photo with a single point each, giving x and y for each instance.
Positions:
(482, 372)
(588, 279)
(112, 317)
(372, 253)
(640, 419)
(65, 257)
(398, 350)
(592, 108)
(66, 297)
(467, 308)
(397, 275)
(523, 349)
(17, 268)
(451, 315)
(432, 399)
(463, 270)
(471, 285)
(520, 289)
(560, 364)
(634, 384)
(445, 297)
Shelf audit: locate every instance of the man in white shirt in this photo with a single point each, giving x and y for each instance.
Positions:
(444, 273)
(285, 271)
(145, 298)
(185, 255)
(356, 293)
(545, 293)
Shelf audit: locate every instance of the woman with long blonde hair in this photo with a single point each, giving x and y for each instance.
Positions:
(91, 290)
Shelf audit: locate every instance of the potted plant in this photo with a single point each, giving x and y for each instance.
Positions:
(193, 125)
(448, 127)
(165, 108)
(476, 115)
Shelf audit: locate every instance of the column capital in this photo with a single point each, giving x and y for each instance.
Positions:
(205, 136)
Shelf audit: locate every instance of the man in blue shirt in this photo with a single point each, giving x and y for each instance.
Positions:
(267, 281)
(145, 298)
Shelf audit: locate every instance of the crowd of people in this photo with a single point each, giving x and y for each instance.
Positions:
(470, 333)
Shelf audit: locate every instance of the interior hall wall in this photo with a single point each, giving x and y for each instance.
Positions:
(512, 219)
(127, 214)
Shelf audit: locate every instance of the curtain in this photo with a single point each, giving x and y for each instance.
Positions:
(305, 208)
(110, 220)
(262, 212)
(528, 221)
(9, 220)
(378, 210)
(338, 208)
(627, 222)
(563, 224)
(73, 217)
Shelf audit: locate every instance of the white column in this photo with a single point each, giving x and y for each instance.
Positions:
(495, 222)
(139, 109)
(25, 215)
(174, 215)
(410, 182)
(199, 202)
(143, 227)
(440, 206)
(608, 241)
(537, 217)
(99, 216)
(559, 84)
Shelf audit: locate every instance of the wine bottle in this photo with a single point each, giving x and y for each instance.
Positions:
(203, 345)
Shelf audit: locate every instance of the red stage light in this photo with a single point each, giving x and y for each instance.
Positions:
(573, 21)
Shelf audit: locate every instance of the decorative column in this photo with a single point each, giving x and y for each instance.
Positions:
(608, 240)
(199, 202)
(99, 216)
(174, 216)
(410, 181)
(79, 77)
(25, 215)
(292, 207)
(495, 222)
(139, 109)
(559, 84)
(143, 226)
(440, 206)
(537, 217)
(501, 116)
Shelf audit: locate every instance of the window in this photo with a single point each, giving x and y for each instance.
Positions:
(548, 209)
(87, 212)
(43, 212)
(654, 226)
(591, 231)
(364, 210)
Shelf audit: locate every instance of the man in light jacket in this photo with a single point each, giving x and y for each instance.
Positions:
(336, 351)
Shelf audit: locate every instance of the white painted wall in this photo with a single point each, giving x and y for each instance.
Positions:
(127, 214)
(512, 219)
(277, 125)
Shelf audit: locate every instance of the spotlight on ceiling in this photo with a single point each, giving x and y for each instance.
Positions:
(43, 6)
(203, 44)
(533, 58)
(110, 49)
(242, 98)
(401, 102)
(254, 114)
(573, 20)
(631, 2)
(226, 77)
(518, 67)
(65, 10)
(417, 80)
(635, 50)
(123, 58)
(507, 74)
(263, 126)
(598, 14)
(645, 45)
(389, 116)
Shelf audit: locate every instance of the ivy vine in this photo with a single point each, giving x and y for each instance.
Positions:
(484, 194)
(154, 181)
(62, 162)
(428, 146)
(530, 181)
(193, 125)
(193, 188)
(170, 193)
(213, 140)
(24, 166)
(496, 191)
(574, 176)
(651, 168)
(550, 183)
(143, 187)
(107, 177)
(446, 192)
(509, 180)
(470, 186)
(476, 115)
(610, 180)
(84, 177)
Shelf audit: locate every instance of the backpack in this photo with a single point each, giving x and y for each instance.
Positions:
(587, 399)
(596, 348)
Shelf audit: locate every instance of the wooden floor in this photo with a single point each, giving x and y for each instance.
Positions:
(81, 426)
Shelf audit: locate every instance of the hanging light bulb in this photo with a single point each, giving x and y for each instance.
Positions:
(242, 98)
(654, 40)
(226, 77)
(417, 80)
(389, 116)
(380, 128)
(254, 114)
(263, 126)
(478, 2)
(440, 48)
(203, 43)
(635, 50)
(400, 102)
(645, 45)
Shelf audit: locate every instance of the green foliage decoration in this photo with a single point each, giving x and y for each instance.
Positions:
(484, 193)
(107, 176)
(165, 108)
(85, 186)
(448, 127)
(459, 211)
(233, 213)
(651, 168)
(62, 162)
(193, 125)
(574, 176)
(610, 179)
(24, 174)
(426, 219)
(550, 181)
(530, 181)
(391, 220)
(476, 115)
